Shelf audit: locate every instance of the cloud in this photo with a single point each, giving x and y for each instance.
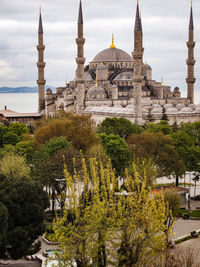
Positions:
(165, 26)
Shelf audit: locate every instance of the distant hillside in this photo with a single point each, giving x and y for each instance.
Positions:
(24, 89)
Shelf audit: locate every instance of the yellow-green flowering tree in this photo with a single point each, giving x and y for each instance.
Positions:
(102, 226)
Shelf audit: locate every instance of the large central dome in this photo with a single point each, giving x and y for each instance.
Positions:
(112, 54)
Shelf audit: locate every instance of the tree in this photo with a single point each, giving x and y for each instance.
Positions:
(101, 227)
(117, 150)
(147, 170)
(25, 201)
(3, 222)
(162, 127)
(13, 166)
(78, 129)
(160, 148)
(164, 115)
(48, 163)
(173, 199)
(150, 117)
(12, 134)
(121, 127)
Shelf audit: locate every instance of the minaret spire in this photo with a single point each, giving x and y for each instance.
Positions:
(80, 60)
(191, 61)
(41, 65)
(80, 14)
(137, 72)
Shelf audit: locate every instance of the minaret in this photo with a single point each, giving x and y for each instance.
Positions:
(138, 59)
(191, 61)
(40, 64)
(80, 60)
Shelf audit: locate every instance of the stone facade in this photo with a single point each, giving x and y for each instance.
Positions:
(114, 84)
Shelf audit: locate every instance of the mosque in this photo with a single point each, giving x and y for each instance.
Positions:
(117, 84)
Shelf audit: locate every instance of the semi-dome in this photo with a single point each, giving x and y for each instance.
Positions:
(156, 110)
(126, 75)
(112, 54)
(180, 106)
(166, 106)
(96, 92)
(146, 67)
(186, 110)
(172, 110)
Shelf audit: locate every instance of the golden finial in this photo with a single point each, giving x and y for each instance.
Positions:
(66, 83)
(101, 62)
(96, 84)
(162, 81)
(40, 10)
(191, 3)
(113, 45)
(137, 2)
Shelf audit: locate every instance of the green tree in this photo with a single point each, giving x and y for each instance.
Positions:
(101, 227)
(121, 127)
(162, 127)
(164, 115)
(161, 149)
(117, 150)
(25, 201)
(3, 222)
(13, 166)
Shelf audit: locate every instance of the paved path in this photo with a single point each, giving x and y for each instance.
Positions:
(184, 227)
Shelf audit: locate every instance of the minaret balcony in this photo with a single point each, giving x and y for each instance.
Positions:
(191, 45)
(41, 64)
(80, 60)
(190, 80)
(40, 47)
(41, 82)
(80, 41)
(190, 62)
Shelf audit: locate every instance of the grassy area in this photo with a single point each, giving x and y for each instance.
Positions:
(193, 213)
(171, 184)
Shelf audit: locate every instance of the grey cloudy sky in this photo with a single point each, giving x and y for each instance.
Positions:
(165, 26)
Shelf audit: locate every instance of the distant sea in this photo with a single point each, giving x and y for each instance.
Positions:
(20, 102)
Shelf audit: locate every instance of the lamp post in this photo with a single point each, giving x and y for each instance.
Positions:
(61, 183)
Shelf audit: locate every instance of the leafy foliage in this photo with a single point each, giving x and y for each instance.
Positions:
(14, 166)
(25, 201)
(117, 150)
(121, 127)
(101, 227)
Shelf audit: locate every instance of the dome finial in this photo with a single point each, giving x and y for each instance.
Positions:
(162, 81)
(112, 45)
(191, 3)
(96, 84)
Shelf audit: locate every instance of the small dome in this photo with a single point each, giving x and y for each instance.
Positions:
(95, 91)
(146, 67)
(166, 106)
(193, 106)
(112, 54)
(176, 90)
(180, 106)
(186, 110)
(156, 106)
(48, 91)
(126, 75)
(156, 110)
(101, 67)
(172, 110)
